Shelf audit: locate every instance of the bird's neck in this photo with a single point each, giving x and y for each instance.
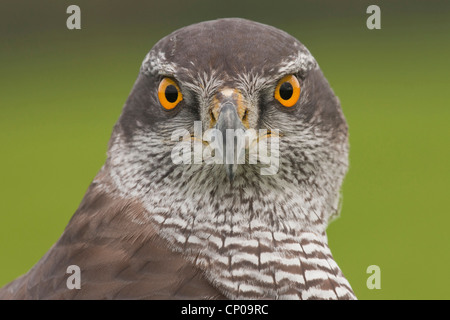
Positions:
(242, 244)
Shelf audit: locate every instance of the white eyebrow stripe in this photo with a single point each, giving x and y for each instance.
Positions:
(302, 61)
(156, 63)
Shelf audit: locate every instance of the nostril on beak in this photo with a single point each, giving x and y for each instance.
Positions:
(244, 117)
(213, 118)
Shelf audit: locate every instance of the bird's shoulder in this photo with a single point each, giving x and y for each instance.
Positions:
(119, 257)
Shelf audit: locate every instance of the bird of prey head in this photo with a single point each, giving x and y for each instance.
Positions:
(171, 216)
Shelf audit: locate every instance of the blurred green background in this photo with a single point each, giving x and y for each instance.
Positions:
(62, 90)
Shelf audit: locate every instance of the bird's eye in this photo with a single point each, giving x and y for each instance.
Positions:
(287, 91)
(169, 94)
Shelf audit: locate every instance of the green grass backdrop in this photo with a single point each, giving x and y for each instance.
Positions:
(61, 92)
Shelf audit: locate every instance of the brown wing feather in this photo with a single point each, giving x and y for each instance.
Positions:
(118, 259)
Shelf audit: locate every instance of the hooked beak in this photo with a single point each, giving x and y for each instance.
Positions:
(229, 124)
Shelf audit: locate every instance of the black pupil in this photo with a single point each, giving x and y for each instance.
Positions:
(171, 93)
(286, 91)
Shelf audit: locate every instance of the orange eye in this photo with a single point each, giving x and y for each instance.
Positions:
(169, 94)
(287, 91)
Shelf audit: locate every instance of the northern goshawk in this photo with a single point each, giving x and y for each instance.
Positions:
(223, 172)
